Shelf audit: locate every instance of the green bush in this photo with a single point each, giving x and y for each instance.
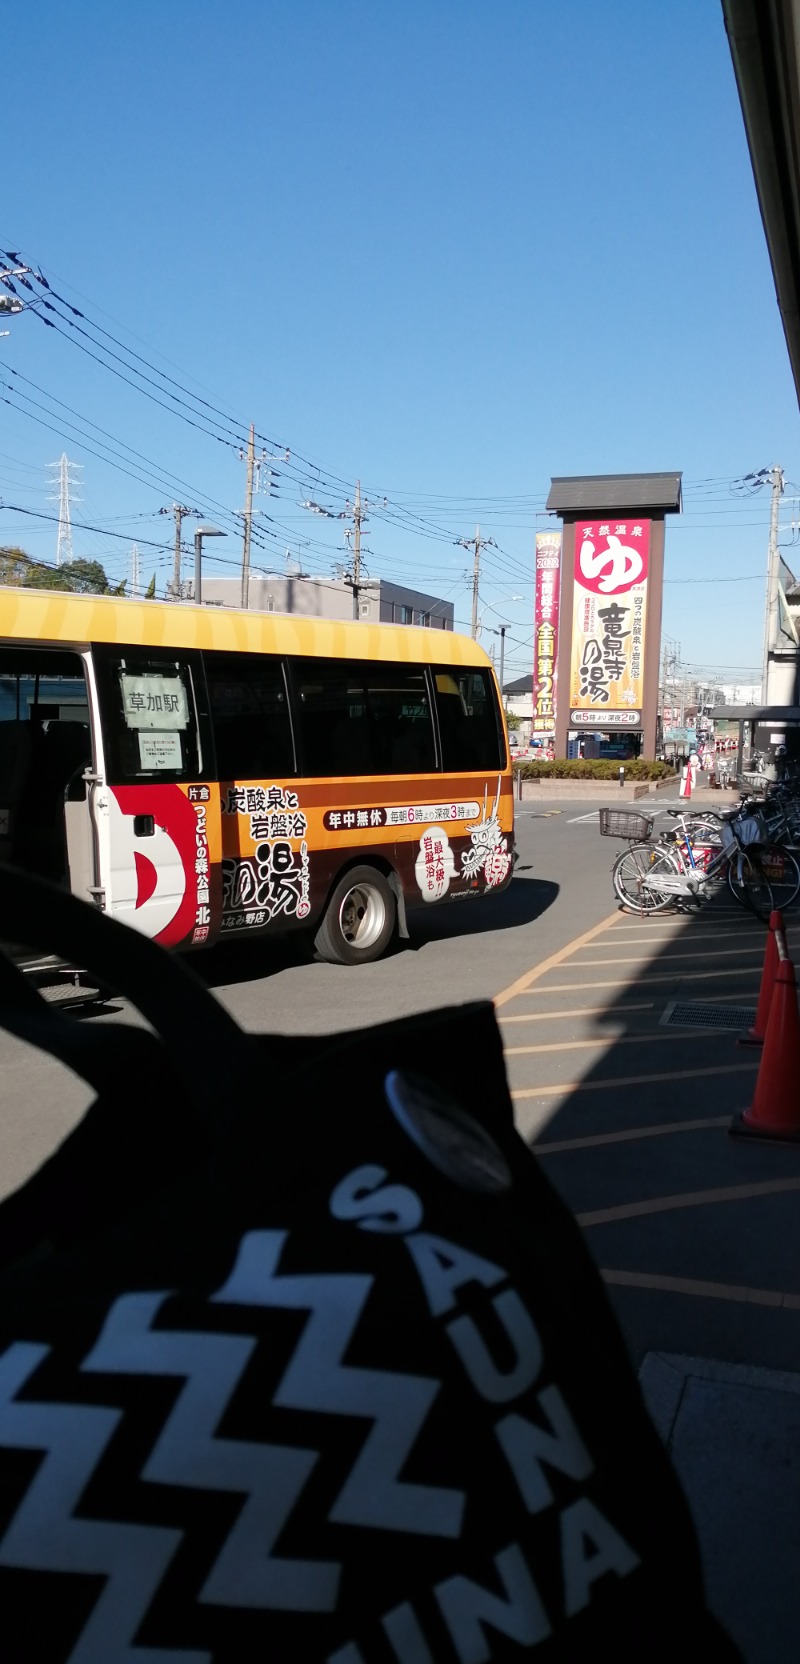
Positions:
(584, 768)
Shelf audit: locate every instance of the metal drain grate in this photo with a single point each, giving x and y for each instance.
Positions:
(686, 1014)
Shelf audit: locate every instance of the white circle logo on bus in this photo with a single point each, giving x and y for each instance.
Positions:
(148, 880)
(435, 865)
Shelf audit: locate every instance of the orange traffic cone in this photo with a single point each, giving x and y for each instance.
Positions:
(775, 1110)
(755, 1035)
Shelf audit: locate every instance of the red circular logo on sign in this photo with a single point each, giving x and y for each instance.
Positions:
(610, 558)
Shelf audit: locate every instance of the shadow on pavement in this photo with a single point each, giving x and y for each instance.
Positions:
(696, 1233)
(525, 900)
(246, 960)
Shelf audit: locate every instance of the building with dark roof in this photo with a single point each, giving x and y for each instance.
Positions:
(615, 494)
(597, 497)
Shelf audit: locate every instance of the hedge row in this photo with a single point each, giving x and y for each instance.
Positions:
(585, 768)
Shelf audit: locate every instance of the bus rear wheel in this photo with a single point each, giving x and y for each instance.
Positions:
(359, 921)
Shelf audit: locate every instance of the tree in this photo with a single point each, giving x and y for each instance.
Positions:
(81, 577)
(86, 577)
(14, 564)
(46, 577)
(150, 591)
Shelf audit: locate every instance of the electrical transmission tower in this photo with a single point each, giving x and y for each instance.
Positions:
(135, 571)
(64, 495)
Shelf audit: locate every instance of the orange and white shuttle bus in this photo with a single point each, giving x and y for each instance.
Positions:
(202, 773)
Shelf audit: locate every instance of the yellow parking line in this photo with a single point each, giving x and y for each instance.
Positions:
(559, 1146)
(699, 935)
(688, 1199)
(529, 977)
(602, 1040)
(641, 981)
(705, 1291)
(715, 953)
(630, 1080)
(578, 1011)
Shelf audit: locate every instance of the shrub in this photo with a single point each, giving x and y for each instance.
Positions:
(583, 768)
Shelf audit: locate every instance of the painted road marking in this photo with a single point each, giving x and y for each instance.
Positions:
(578, 1011)
(576, 819)
(698, 935)
(715, 953)
(631, 1080)
(625, 981)
(559, 1146)
(529, 977)
(689, 1199)
(705, 1291)
(612, 1040)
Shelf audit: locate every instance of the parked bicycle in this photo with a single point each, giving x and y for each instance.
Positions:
(690, 861)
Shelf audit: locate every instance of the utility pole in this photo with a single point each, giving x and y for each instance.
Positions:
(253, 481)
(11, 303)
(477, 543)
(248, 516)
(359, 514)
(775, 475)
(180, 512)
(502, 655)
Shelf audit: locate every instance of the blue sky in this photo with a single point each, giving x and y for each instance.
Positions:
(448, 249)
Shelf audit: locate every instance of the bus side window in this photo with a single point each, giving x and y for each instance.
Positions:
(45, 745)
(469, 723)
(360, 717)
(250, 716)
(150, 716)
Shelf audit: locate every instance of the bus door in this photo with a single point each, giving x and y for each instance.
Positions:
(46, 763)
(158, 810)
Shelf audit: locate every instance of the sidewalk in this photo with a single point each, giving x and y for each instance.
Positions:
(733, 1432)
(625, 1074)
(645, 792)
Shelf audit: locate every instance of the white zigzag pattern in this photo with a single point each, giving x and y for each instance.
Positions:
(316, 1379)
(246, 1573)
(44, 1534)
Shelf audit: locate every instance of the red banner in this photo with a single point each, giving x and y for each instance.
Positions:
(609, 622)
(545, 631)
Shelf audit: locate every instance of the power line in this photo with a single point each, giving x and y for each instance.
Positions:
(80, 525)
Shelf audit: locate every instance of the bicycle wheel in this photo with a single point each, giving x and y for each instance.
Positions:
(706, 828)
(782, 873)
(637, 862)
(747, 881)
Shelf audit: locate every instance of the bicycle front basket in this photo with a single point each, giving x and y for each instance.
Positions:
(625, 823)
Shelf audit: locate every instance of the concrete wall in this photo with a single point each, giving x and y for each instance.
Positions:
(782, 679)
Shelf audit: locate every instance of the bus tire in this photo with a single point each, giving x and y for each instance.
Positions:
(359, 921)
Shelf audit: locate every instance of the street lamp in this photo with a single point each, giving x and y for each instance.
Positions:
(501, 632)
(201, 532)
